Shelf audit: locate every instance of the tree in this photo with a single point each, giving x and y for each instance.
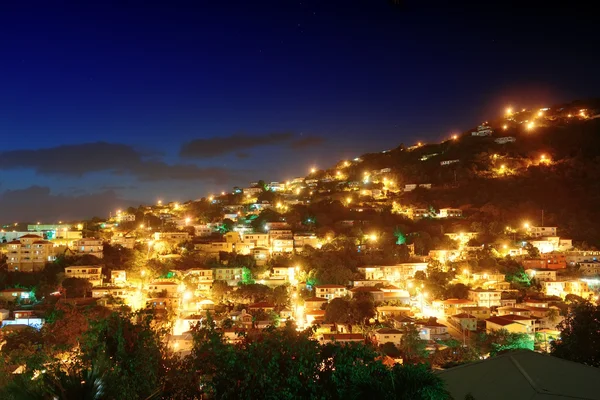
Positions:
(576, 343)
(338, 311)
(218, 290)
(76, 287)
(532, 251)
(412, 346)
(457, 291)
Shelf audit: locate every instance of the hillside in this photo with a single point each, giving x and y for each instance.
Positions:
(551, 169)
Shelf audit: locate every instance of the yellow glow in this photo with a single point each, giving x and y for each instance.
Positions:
(509, 111)
(141, 226)
(504, 246)
(187, 220)
(313, 170)
(297, 191)
(526, 225)
(143, 273)
(419, 144)
(159, 202)
(505, 127)
(210, 198)
(187, 295)
(530, 125)
(338, 173)
(349, 200)
(466, 271)
(410, 285)
(373, 237)
(495, 155)
(346, 163)
(540, 113)
(502, 166)
(454, 137)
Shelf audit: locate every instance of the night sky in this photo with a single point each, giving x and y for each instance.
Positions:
(105, 106)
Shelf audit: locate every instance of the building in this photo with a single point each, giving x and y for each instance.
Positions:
(29, 253)
(286, 234)
(330, 292)
(127, 242)
(92, 274)
(90, 246)
(511, 323)
(485, 298)
(523, 312)
(256, 239)
(114, 291)
(172, 237)
(342, 338)
(387, 335)
(589, 268)
(552, 261)
(542, 231)
(505, 139)
(377, 294)
(482, 130)
(432, 331)
(314, 303)
(541, 275)
(525, 375)
(453, 306)
(464, 321)
(281, 246)
(118, 277)
(252, 191)
(444, 255)
(15, 295)
(481, 313)
(229, 274)
(305, 240)
(202, 277)
(169, 287)
(261, 255)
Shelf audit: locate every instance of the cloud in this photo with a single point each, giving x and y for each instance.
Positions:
(217, 146)
(77, 160)
(39, 204)
(307, 141)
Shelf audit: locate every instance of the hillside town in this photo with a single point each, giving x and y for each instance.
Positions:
(340, 252)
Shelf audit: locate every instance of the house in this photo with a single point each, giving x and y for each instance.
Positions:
(342, 338)
(233, 335)
(432, 331)
(127, 242)
(171, 288)
(281, 234)
(511, 323)
(550, 260)
(92, 274)
(505, 139)
(464, 321)
(450, 213)
(444, 255)
(508, 302)
(563, 288)
(114, 291)
(330, 292)
(485, 298)
(16, 294)
(541, 275)
(453, 306)
(481, 313)
(522, 375)
(203, 277)
(384, 312)
(262, 305)
(4, 314)
(90, 246)
(387, 335)
(301, 240)
(229, 274)
(542, 231)
(282, 246)
(589, 268)
(482, 130)
(314, 316)
(172, 237)
(376, 294)
(256, 239)
(314, 303)
(260, 255)
(29, 253)
(524, 312)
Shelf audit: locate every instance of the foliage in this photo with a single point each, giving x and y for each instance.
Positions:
(76, 287)
(498, 341)
(576, 343)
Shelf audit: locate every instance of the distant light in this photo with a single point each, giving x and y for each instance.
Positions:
(505, 127)
(454, 137)
(509, 111)
(419, 144)
(313, 170)
(540, 113)
(530, 125)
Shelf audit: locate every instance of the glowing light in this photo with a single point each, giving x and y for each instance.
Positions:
(211, 198)
(530, 125)
(160, 202)
(526, 225)
(187, 295)
(454, 137)
(540, 113)
(495, 155)
(348, 200)
(465, 271)
(297, 191)
(143, 273)
(313, 170)
(187, 220)
(509, 111)
(141, 226)
(373, 237)
(419, 144)
(505, 127)
(222, 193)
(502, 167)
(346, 163)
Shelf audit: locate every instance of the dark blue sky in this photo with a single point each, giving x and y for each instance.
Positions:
(310, 81)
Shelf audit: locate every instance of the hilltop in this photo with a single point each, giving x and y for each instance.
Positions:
(519, 166)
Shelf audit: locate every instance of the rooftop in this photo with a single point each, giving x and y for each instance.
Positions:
(522, 375)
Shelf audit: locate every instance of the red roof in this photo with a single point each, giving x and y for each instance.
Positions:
(42, 242)
(14, 242)
(464, 315)
(516, 317)
(19, 290)
(262, 304)
(319, 299)
(30, 236)
(365, 289)
(500, 321)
